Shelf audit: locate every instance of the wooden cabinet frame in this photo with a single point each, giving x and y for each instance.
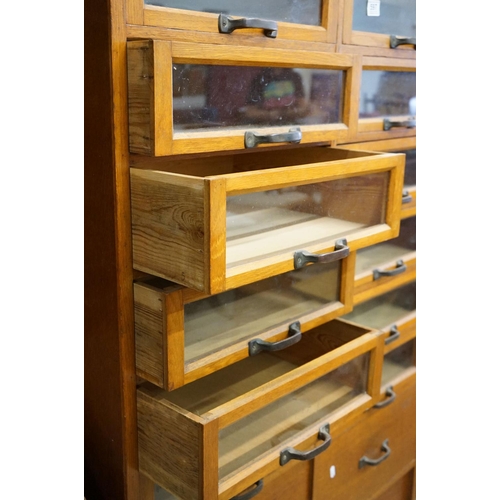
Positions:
(139, 13)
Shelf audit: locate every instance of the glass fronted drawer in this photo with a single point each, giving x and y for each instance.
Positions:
(195, 98)
(409, 208)
(312, 21)
(222, 433)
(387, 28)
(387, 100)
(242, 218)
(387, 265)
(182, 335)
(394, 315)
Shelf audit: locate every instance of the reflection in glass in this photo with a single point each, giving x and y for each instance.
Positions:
(396, 18)
(221, 320)
(209, 96)
(410, 167)
(387, 93)
(291, 11)
(269, 223)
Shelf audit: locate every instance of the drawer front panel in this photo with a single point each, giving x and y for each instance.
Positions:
(255, 23)
(194, 98)
(387, 265)
(213, 332)
(249, 222)
(243, 417)
(389, 30)
(341, 474)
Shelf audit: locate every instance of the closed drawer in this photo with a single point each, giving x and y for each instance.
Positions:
(388, 31)
(387, 100)
(387, 265)
(182, 335)
(242, 218)
(394, 315)
(220, 434)
(196, 98)
(372, 455)
(266, 23)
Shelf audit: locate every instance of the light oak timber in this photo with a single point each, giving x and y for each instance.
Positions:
(398, 144)
(388, 64)
(135, 31)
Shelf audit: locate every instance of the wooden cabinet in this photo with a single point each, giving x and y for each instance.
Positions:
(265, 216)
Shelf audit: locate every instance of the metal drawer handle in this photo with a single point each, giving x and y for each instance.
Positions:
(388, 124)
(228, 24)
(252, 139)
(302, 257)
(394, 335)
(400, 268)
(391, 396)
(294, 335)
(292, 454)
(407, 197)
(370, 461)
(250, 494)
(396, 41)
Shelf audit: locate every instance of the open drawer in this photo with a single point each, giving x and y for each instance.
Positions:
(386, 265)
(394, 315)
(221, 434)
(182, 335)
(235, 219)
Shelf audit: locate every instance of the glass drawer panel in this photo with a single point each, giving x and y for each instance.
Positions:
(397, 361)
(218, 96)
(387, 93)
(410, 178)
(222, 320)
(290, 11)
(386, 309)
(267, 223)
(396, 18)
(273, 425)
(370, 257)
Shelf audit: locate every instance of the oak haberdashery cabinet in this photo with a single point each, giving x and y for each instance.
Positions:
(251, 278)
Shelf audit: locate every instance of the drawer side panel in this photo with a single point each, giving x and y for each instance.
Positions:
(169, 451)
(168, 227)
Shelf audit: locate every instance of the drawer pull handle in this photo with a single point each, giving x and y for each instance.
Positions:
(292, 454)
(250, 494)
(227, 24)
(394, 335)
(407, 197)
(294, 335)
(375, 461)
(252, 139)
(396, 41)
(400, 268)
(388, 124)
(302, 257)
(391, 396)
